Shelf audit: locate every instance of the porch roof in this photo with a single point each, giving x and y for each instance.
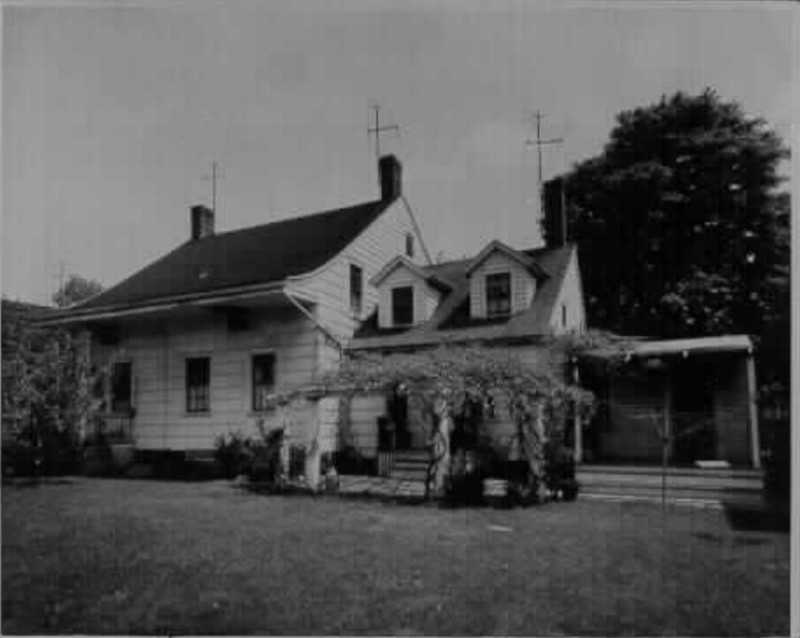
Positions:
(666, 347)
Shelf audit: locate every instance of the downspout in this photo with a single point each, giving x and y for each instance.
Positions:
(331, 337)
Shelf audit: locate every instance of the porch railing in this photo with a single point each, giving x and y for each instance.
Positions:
(114, 428)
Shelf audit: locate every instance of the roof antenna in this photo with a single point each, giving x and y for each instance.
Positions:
(377, 130)
(539, 143)
(213, 178)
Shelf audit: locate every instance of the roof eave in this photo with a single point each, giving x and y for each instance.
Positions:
(79, 315)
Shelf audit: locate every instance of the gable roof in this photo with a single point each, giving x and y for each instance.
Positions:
(259, 254)
(497, 246)
(402, 261)
(451, 320)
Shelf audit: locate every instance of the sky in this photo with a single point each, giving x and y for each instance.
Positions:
(113, 112)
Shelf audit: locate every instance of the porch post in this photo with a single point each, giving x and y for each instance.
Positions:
(755, 443)
(441, 448)
(669, 441)
(577, 419)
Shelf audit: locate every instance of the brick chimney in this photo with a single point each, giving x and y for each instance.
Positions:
(555, 226)
(202, 222)
(391, 174)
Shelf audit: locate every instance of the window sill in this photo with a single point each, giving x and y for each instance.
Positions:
(258, 414)
(191, 415)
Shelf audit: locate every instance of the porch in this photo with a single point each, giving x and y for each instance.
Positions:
(688, 486)
(112, 428)
(681, 402)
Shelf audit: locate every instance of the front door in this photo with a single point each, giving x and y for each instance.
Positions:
(397, 409)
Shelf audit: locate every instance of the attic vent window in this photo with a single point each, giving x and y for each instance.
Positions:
(498, 294)
(356, 289)
(409, 245)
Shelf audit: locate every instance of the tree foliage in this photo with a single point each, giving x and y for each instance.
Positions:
(76, 289)
(49, 393)
(680, 227)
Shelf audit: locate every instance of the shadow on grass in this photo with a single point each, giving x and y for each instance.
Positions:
(766, 519)
(36, 481)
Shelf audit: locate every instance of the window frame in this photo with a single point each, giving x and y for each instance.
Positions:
(395, 291)
(193, 406)
(492, 301)
(410, 248)
(114, 408)
(356, 296)
(255, 407)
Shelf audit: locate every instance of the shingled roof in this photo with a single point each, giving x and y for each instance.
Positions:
(260, 254)
(451, 320)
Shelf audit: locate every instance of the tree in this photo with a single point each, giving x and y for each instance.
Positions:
(48, 392)
(680, 227)
(76, 289)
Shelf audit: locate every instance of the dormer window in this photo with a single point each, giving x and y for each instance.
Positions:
(498, 294)
(403, 306)
(409, 245)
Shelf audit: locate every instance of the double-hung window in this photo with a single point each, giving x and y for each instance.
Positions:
(403, 306)
(356, 289)
(121, 387)
(198, 377)
(498, 294)
(263, 380)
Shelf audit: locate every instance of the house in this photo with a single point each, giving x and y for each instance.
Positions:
(693, 400)
(197, 340)
(503, 298)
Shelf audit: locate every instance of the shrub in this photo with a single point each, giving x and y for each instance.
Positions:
(232, 453)
(266, 465)
(559, 471)
(297, 461)
(351, 461)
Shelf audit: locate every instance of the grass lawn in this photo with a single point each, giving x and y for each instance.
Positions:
(140, 557)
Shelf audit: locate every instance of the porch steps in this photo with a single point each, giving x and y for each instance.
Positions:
(410, 466)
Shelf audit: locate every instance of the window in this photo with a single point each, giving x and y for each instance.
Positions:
(564, 315)
(263, 380)
(498, 294)
(198, 374)
(121, 387)
(356, 288)
(409, 244)
(402, 305)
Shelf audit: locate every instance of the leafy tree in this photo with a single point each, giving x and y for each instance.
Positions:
(680, 227)
(48, 393)
(76, 289)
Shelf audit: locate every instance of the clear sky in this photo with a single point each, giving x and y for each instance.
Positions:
(112, 113)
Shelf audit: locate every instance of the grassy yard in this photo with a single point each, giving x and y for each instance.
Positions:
(140, 557)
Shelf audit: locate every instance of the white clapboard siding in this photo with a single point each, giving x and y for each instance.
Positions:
(523, 284)
(383, 240)
(426, 298)
(158, 353)
(569, 312)
(158, 350)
